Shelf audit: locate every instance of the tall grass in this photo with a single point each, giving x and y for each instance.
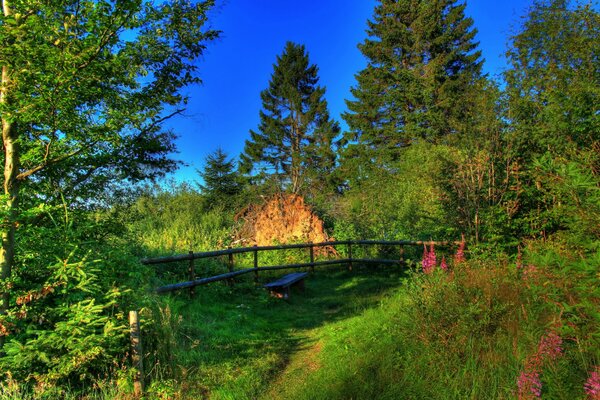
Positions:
(467, 334)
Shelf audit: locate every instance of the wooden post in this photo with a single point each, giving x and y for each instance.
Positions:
(136, 353)
(255, 264)
(312, 258)
(230, 265)
(192, 273)
(350, 256)
(402, 254)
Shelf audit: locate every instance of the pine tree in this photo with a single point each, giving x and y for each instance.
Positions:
(221, 184)
(294, 139)
(422, 64)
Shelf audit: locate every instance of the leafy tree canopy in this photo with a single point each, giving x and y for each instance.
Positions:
(84, 89)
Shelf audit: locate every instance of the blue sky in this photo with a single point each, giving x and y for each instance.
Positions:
(238, 66)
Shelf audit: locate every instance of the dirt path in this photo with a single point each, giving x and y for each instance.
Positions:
(302, 362)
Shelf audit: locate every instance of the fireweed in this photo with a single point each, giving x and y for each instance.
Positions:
(549, 349)
(592, 385)
(460, 252)
(443, 264)
(529, 384)
(429, 259)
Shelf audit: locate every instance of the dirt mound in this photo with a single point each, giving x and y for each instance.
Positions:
(284, 218)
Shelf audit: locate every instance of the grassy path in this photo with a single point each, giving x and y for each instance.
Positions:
(248, 345)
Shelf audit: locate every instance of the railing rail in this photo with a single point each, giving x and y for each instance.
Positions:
(191, 256)
(241, 250)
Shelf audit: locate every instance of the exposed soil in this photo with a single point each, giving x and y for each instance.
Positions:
(284, 218)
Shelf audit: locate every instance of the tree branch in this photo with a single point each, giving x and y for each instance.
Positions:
(28, 173)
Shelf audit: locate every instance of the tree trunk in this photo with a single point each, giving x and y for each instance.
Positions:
(11, 187)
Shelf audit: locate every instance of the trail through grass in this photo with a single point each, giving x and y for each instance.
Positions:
(236, 342)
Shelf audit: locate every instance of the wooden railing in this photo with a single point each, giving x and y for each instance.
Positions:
(256, 268)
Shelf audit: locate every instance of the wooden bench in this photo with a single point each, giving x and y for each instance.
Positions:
(281, 287)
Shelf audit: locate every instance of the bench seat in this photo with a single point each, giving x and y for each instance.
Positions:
(281, 287)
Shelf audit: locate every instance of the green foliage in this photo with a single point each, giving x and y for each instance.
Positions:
(294, 141)
(552, 96)
(570, 193)
(406, 203)
(553, 86)
(67, 325)
(422, 67)
(179, 219)
(222, 184)
(91, 83)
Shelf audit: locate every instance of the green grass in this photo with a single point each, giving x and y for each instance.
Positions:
(371, 333)
(235, 342)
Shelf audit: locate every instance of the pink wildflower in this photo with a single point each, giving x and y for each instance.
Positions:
(592, 385)
(443, 264)
(550, 347)
(529, 384)
(460, 252)
(426, 263)
(529, 273)
(432, 256)
(519, 258)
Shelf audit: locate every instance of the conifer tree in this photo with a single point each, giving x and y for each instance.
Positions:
(422, 63)
(221, 184)
(294, 139)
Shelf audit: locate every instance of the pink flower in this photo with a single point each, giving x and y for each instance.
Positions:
(592, 385)
(460, 252)
(432, 256)
(443, 265)
(550, 346)
(519, 258)
(428, 262)
(529, 384)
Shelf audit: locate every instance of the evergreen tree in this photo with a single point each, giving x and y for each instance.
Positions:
(294, 139)
(221, 184)
(422, 66)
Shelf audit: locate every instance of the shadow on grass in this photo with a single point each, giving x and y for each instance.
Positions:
(232, 332)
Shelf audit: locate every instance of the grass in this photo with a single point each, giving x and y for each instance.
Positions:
(237, 342)
(383, 333)
(371, 333)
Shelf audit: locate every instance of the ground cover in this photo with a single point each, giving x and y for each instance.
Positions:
(236, 342)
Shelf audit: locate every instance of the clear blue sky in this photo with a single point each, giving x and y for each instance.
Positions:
(238, 66)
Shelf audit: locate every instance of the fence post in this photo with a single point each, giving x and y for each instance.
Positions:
(402, 254)
(312, 257)
(136, 353)
(350, 256)
(230, 265)
(192, 273)
(255, 263)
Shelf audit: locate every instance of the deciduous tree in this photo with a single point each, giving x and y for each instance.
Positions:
(85, 87)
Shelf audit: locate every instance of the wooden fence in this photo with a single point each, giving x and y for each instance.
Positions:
(135, 334)
(256, 268)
